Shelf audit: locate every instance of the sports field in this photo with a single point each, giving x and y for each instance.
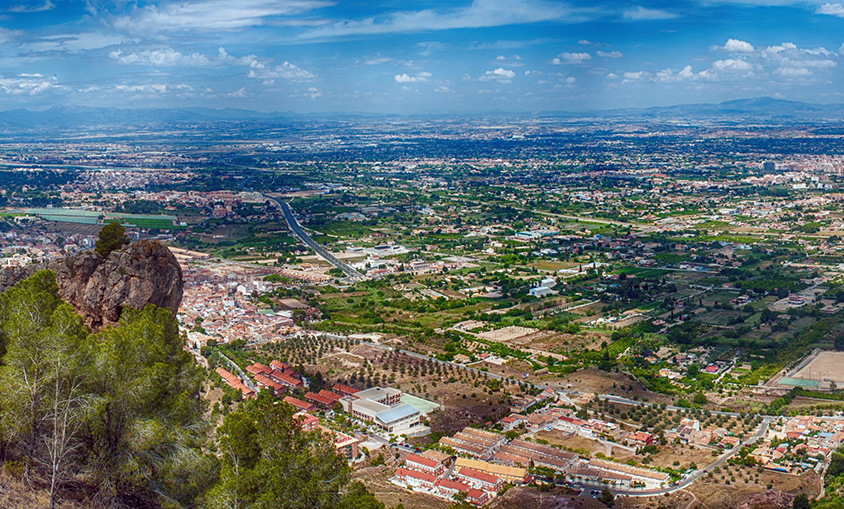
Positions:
(424, 406)
(824, 365)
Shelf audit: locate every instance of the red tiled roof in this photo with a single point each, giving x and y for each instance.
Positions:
(345, 389)
(298, 403)
(422, 460)
(480, 476)
(258, 368)
(278, 365)
(318, 398)
(330, 395)
(286, 380)
(266, 382)
(473, 494)
(452, 485)
(422, 476)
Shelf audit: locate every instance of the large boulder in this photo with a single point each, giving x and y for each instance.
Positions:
(141, 273)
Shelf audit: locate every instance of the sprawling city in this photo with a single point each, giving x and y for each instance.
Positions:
(504, 254)
(590, 312)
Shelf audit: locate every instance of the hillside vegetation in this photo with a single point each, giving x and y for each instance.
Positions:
(113, 419)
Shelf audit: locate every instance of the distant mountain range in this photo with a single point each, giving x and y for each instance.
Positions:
(755, 108)
(63, 117)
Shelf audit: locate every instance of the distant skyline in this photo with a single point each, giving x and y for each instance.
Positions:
(423, 56)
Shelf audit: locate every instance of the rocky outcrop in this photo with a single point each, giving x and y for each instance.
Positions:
(144, 272)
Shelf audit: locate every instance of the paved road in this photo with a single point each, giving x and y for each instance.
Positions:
(247, 381)
(304, 237)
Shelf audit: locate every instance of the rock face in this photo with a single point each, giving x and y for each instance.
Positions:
(144, 272)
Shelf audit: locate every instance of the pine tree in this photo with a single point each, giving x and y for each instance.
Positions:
(112, 236)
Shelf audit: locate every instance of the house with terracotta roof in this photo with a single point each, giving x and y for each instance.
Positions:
(639, 438)
(345, 390)
(512, 421)
(300, 405)
(477, 497)
(286, 380)
(423, 464)
(447, 488)
(307, 422)
(414, 478)
(480, 480)
(319, 399)
(258, 369)
(541, 420)
(236, 383)
(264, 381)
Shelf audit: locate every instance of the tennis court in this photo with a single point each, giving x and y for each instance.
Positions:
(424, 406)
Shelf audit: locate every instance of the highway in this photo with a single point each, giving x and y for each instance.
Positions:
(323, 253)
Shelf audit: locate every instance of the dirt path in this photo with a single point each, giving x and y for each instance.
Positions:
(694, 501)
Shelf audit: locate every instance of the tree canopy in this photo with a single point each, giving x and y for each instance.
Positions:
(119, 413)
(269, 462)
(112, 236)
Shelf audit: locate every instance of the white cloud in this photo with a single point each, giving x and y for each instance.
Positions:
(484, 91)
(730, 65)
(479, 14)
(210, 15)
(71, 42)
(785, 60)
(286, 70)
(167, 57)
(640, 14)
(6, 35)
(28, 84)
(313, 93)
(153, 88)
(612, 76)
(831, 9)
(240, 93)
(584, 42)
(793, 72)
(406, 78)
(500, 75)
(46, 5)
(685, 74)
(571, 58)
(611, 54)
(443, 90)
(841, 49)
(736, 46)
(788, 54)
(378, 61)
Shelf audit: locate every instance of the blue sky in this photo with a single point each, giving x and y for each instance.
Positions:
(417, 56)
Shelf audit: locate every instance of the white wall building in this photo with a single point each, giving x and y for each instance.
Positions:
(382, 407)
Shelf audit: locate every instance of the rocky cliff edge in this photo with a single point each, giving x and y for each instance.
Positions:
(141, 273)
